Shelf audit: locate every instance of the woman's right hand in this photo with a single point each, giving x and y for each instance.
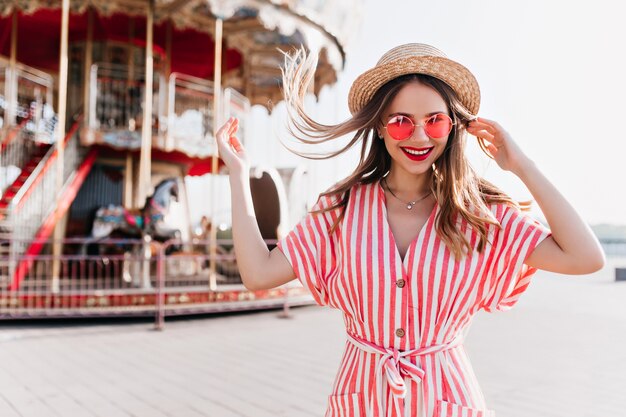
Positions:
(230, 149)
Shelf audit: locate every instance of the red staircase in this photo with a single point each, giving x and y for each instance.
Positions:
(27, 171)
(27, 231)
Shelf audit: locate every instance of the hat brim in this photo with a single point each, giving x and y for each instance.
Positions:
(459, 78)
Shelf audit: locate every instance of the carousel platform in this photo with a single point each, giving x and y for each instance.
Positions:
(136, 283)
(142, 303)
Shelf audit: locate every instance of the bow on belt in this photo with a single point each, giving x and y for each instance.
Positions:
(394, 365)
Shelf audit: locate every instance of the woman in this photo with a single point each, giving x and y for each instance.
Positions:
(413, 243)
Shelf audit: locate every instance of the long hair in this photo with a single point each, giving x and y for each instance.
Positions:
(459, 191)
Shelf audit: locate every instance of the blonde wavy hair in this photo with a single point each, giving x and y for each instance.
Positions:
(459, 191)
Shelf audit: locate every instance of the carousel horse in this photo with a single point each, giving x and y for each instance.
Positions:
(147, 223)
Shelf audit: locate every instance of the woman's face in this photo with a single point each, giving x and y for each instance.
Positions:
(417, 101)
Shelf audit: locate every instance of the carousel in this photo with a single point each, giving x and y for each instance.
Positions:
(105, 108)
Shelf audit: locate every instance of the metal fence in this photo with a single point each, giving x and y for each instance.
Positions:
(129, 277)
(26, 95)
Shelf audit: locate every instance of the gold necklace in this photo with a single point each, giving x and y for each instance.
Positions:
(410, 204)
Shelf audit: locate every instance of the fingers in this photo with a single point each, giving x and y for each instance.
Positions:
(227, 130)
(485, 129)
(493, 124)
(487, 121)
(484, 124)
(478, 126)
(493, 150)
(489, 149)
(481, 133)
(226, 127)
(233, 126)
(227, 141)
(234, 142)
(232, 139)
(485, 132)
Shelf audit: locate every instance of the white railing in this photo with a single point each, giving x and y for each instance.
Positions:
(28, 95)
(189, 125)
(37, 198)
(182, 110)
(26, 116)
(16, 151)
(116, 103)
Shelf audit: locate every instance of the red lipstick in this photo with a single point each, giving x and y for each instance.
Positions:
(413, 157)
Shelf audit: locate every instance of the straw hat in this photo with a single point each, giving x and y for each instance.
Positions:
(415, 58)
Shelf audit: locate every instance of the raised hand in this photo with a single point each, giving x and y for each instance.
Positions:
(499, 143)
(230, 149)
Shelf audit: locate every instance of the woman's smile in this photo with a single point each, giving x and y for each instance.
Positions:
(417, 154)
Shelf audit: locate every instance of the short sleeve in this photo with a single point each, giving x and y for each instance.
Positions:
(310, 250)
(507, 275)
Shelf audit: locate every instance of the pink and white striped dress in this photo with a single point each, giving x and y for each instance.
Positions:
(405, 319)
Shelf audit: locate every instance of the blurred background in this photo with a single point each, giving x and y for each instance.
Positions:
(77, 316)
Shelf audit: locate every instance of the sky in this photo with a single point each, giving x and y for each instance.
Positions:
(552, 73)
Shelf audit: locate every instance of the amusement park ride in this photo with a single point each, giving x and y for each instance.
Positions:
(105, 107)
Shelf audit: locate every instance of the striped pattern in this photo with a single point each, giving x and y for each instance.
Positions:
(356, 270)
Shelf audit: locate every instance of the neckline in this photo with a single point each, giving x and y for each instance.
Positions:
(382, 200)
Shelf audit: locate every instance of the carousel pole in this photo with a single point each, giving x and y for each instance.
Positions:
(60, 136)
(131, 52)
(130, 78)
(128, 181)
(11, 85)
(129, 175)
(169, 143)
(145, 169)
(217, 106)
(88, 62)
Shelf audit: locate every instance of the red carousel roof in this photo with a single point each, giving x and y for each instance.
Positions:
(255, 33)
(39, 38)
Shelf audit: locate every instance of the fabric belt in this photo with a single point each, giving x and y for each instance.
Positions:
(393, 365)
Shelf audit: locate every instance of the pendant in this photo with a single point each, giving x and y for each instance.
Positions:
(410, 205)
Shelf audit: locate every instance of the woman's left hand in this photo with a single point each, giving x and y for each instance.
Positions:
(508, 155)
